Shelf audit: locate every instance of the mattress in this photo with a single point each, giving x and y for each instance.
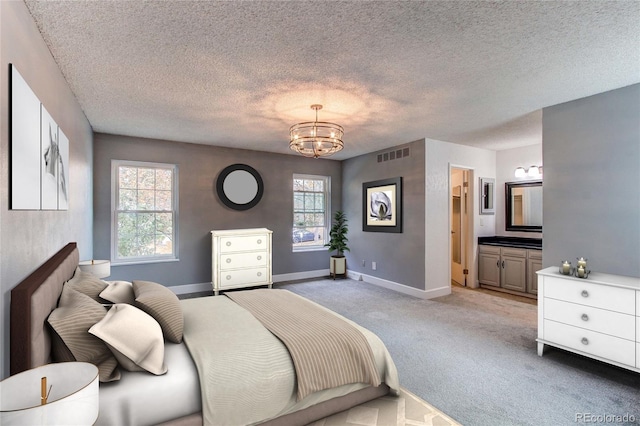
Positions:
(140, 398)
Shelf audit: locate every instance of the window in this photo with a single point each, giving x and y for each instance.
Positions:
(310, 209)
(144, 212)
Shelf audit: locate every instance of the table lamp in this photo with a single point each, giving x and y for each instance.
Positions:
(99, 268)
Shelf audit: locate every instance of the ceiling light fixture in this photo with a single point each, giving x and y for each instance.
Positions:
(316, 138)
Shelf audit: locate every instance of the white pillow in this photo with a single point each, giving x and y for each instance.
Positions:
(134, 337)
(118, 292)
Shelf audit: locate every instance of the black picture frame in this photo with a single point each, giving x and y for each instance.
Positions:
(239, 187)
(382, 205)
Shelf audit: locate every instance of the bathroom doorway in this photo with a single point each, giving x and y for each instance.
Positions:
(461, 211)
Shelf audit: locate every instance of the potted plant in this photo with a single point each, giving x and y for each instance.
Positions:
(338, 243)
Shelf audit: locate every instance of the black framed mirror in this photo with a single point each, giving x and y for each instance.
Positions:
(239, 187)
(523, 206)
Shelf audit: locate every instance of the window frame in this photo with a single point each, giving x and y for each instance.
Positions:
(327, 211)
(115, 259)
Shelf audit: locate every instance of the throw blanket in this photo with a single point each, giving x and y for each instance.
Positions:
(327, 352)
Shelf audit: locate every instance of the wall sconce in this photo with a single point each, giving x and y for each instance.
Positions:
(532, 172)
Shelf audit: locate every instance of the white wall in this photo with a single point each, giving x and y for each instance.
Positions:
(439, 157)
(506, 162)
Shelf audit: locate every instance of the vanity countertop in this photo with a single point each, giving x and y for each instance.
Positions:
(517, 242)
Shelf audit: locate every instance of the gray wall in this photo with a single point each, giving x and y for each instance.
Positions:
(200, 210)
(591, 197)
(28, 238)
(399, 257)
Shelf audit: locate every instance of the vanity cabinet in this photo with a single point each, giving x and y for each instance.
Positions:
(240, 258)
(509, 268)
(596, 317)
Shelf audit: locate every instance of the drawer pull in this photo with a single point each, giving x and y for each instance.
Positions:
(228, 243)
(228, 277)
(259, 241)
(584, 293)
(228, 260)
(259, 274)
(259, 257)
(585, 317)
(584, 341)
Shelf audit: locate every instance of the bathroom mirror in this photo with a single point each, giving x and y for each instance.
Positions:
(487, 196)
(239, 187)
(523, 206)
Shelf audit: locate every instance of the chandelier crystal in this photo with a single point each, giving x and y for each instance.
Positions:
(316, 138)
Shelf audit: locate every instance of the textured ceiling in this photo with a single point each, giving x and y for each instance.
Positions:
(239, 74)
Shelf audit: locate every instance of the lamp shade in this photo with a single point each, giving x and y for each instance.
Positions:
(73, 397)
(99, 268)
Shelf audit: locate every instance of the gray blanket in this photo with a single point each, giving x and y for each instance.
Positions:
(246, 374)
(327, 352)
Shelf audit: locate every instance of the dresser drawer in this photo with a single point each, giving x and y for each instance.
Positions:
(253, 276)
(637, 355)
(638, 329)
(243, 243)
(243, 260)
(600, 320)
(638, 303)
(589, 294)
(591, 342)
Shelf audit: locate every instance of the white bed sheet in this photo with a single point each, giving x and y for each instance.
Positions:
(141, 398)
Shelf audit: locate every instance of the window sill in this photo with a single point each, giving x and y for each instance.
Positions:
(306, 249)
(142, 262)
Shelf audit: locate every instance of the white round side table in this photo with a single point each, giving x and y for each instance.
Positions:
(72, 389)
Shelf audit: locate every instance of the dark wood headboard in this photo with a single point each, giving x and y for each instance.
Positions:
(22, 316)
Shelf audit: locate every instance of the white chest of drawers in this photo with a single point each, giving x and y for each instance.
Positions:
(240, 258)
(598, 317)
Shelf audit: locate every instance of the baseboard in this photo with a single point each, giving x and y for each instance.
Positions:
(301, 275)
(322, 273)
(400, 288)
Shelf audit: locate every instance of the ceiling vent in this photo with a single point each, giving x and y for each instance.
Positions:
(396, 154)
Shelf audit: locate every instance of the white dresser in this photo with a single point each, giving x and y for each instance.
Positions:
(240, 258)
(598, 317)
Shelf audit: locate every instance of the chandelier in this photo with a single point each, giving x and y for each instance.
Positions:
(316, 138)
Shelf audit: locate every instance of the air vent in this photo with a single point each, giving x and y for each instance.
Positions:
(396, 154)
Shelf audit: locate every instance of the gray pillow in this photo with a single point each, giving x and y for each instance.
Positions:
(71, 320)
(86, 283)
(134, 337)
(163, 305)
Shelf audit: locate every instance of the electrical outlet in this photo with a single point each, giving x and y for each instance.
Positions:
(374, 265)
(364, 263)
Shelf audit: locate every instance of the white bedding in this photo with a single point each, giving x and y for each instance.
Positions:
(141, 398)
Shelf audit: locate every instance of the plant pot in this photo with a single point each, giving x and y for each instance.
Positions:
(338, 266)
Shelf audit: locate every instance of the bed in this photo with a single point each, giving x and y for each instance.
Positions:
(230, 378)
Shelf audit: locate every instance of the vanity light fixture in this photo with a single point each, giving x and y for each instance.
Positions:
(316, 138)
(531, 172)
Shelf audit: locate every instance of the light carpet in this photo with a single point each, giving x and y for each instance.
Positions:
(404, 409)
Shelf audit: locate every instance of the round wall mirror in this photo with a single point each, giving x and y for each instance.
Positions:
(239, 187)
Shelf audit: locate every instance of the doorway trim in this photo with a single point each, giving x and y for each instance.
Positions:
(470, 236)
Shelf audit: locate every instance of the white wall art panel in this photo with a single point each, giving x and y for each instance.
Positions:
(63, 171)
(25, 145)
(49, 160)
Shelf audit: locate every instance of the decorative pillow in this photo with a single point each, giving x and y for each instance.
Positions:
(134, 337)
(118, 292)
(71, 320)
(86, 283)
(163, 305)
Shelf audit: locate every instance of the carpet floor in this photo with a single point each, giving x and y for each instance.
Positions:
(473, 356)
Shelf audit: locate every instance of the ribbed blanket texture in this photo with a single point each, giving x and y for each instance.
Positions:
(326, 351)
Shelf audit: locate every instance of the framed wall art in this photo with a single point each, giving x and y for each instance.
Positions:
(382, 205)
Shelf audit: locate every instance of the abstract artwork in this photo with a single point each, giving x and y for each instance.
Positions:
(39, 153)
(382, 205)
